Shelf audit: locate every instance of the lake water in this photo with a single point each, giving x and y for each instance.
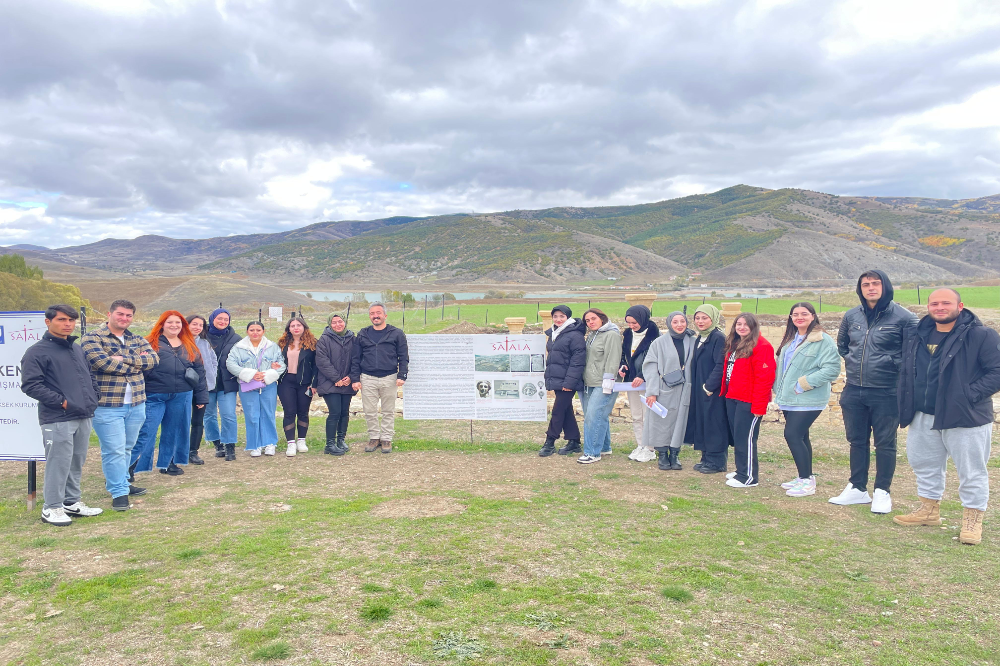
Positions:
(418, 295)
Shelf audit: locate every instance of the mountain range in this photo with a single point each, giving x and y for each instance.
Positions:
(738, 234)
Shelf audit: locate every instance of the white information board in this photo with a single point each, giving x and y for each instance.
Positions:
(478, 377)
(275, 313)
(20, 434)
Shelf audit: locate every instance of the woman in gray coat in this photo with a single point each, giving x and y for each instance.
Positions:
(667, 370)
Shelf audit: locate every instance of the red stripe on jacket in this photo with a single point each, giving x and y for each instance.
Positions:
(752, 378)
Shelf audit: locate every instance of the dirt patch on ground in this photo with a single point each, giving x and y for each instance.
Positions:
(418, 507)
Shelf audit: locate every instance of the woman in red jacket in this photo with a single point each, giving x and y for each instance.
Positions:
(746, 386)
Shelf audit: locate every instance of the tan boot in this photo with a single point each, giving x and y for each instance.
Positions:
(972, 526)
(929, 513)
(372, 445)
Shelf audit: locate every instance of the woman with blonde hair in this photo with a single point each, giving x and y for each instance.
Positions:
(298, 384)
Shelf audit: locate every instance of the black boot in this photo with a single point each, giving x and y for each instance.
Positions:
(230, 452)
(341, 444)
(672, 458)
(131, 471)
(194, 459)
(548, 448)
(662, 459)
(572, 446)
(220, 450)
(331, 447)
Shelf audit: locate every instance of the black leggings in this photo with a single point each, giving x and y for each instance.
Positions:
(563, 417)
(339, 406)
(197, 425)
(295, 401)
(797, 426)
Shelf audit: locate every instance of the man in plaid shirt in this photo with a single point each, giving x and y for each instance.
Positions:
(117, 358)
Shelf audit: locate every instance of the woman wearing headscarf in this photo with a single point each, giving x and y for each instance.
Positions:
(222, 395)
(333, 381)
(567, 357)
(667, 370)
(640, 332)
(707, 424)
(604, 345)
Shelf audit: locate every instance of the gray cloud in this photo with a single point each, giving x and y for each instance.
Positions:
(202, 119)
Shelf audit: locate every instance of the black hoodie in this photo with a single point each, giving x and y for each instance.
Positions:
(871, 340)
(54, 370)
(967, 374)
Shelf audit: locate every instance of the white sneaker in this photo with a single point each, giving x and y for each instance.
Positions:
(804, 488)
(290, 452)
(81, 509)
(645, 455)
(255, 453)
(731, 475)
(635, 452)
(881, 502)
(605, 453)
(851, 495)
(300, 445)
(791, 484)
(269, 450)
(733, 483)
(586, 460)
(56, 517)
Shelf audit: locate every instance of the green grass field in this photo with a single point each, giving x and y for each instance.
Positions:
(451, 552)
(973, 297)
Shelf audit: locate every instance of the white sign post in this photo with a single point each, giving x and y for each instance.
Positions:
(275, 313)
(20, 434)
(476, 377)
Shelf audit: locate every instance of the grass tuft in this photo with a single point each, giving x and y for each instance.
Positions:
(677, 593)
(483, 584)
(430, 602)
(280, 650)
(372, 587)
(43, 542)
(190, 553)
(376, 611)
(456, 644)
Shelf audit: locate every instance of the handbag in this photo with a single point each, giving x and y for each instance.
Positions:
(191, 377)
(253, 384)
(673, 378)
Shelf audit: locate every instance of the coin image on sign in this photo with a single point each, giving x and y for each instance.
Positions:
(528, 389)
(520, 363)
(538, 362)
(483, 388)
(506, 389)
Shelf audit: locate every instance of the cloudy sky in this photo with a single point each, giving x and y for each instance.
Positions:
(195, 119)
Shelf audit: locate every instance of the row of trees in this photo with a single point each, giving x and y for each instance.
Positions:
(22, 287)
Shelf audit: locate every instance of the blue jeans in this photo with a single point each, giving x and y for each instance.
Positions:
(224, 404)
(597, 407)
(170, 413)
(117, 429)
(258, 412)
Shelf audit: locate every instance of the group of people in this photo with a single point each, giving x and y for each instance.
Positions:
(694, 385)
(179, 385)
(704, 387)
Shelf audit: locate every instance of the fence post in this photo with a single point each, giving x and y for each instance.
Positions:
(425, 309)
(487, 322)
(918, 294)
(821, 304)
(404, 313)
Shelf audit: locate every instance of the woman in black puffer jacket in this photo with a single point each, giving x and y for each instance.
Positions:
(333, 381)
(567, 357)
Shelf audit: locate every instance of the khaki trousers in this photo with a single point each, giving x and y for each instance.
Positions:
(637, 407)
(378, 398)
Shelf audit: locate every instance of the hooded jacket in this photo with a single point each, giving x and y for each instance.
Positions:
(871, 340)
(968, 373)
(333, 361)
(168, 375)
(53, 370)
(244, 360)
(752, 378)
(567, 357)
(223, 344)
(604, 351)
(633, 362)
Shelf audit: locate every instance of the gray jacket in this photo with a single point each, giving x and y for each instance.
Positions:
(661, 359)
(210, 360)
(871, 341)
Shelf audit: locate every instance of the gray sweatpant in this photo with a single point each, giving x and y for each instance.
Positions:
(969, 448)
(65, 452)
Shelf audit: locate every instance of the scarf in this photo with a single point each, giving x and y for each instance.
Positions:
(556, 330)
(674, 334)
(641, 314)
(212, 330)
(341, 315)
(716, 317)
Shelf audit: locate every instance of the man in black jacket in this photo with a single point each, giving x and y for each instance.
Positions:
(871, 342)
(55, 372)
(378, 368)
(951, 369)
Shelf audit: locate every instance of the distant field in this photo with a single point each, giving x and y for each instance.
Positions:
(973, 297)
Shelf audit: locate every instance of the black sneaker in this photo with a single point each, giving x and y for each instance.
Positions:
(120, 503)
(709, 469)
(194, 459)
(172, 470)
(548, 448)
(697, 466)
(136, 490)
